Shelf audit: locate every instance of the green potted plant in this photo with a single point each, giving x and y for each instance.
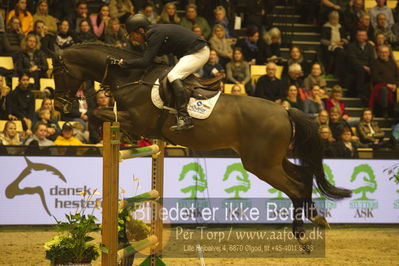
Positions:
(72, 245)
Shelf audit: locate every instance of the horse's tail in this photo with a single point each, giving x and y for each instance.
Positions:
(308, 148)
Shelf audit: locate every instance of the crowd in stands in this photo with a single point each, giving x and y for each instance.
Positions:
(356, 48)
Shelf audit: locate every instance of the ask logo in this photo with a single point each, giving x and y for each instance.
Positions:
(16, 189)
(193, 175)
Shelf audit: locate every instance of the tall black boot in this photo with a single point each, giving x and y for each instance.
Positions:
(183, 118)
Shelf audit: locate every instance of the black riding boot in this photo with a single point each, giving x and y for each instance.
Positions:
(183, 118)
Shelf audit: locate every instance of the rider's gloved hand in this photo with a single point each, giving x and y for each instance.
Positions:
(114, 61)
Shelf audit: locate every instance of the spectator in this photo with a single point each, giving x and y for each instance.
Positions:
(45, 38)
(63, 39)
(100, 21)
(237, 71)
(313, 105)
(295, 77)
(296, 56)
(385, 78)
(385, 29)
(335, 101)
(326, 139)
(221, 45)
(38, 139)
(103, 102)
(380, 39)
(85, 33)
(255, 13)
(81, 13)
(249, 45)
(121, 9)
(360, 57)
(381, 8)
(4, 91)
(192, 19)
(31, 59)
(47, 104)
(352, 15)
(115, 34)
(53, 129)
(293, 98)
(273, 41)
(24, 16)
(322, 118)
(221, 19)
(336, 123)
(345, 146)
(10, 135)
(212, 68)
(236, 90)
(368, 130)
(13, 37)
(333, 40)
(197, 30)
(42, 14)
(21, 103)
(364, 24)
(269, 86)
(332, 5)
(315, 78)
(150, 13)
(169, 14)
(66, 138)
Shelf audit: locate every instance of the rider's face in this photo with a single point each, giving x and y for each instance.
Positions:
(136, 37)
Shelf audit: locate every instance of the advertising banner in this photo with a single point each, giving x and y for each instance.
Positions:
(36, 190)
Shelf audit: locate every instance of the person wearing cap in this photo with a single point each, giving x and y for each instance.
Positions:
(163, 39)
(66, 138)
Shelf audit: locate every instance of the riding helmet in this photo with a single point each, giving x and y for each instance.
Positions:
(135, 22)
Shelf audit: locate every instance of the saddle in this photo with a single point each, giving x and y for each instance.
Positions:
(197, 88)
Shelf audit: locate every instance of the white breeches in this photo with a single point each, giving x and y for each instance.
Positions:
(188, 64)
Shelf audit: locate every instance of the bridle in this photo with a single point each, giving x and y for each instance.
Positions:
(62, 96)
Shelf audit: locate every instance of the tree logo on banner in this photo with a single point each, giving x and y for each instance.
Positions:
(396, 202)
(14, 188)
(241, 180)
(198, 177)
(364, 176)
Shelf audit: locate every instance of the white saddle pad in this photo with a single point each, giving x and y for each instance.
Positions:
(200, 109)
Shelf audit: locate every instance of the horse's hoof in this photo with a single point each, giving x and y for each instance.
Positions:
(320, 221)
(304, 240)
(305, 244)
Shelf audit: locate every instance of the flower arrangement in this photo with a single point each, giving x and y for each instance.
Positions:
(129, 229)
(72, 244)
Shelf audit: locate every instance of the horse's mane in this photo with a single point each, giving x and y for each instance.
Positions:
(108, 49)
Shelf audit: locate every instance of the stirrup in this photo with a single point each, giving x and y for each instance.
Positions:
(183, 123)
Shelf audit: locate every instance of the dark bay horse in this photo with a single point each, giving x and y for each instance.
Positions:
(260, 131)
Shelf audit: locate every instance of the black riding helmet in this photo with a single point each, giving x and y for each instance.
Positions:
(135, 22)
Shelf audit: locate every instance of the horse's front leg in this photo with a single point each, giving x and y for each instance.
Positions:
(298, 228)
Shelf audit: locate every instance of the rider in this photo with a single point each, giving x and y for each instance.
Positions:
(163, 39)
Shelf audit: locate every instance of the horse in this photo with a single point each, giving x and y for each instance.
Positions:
(261, 132)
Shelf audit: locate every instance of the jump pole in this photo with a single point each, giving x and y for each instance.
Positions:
(111, 142)
(111, 158)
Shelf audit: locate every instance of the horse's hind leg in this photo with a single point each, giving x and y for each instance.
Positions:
(294, 189)
(301, 173)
